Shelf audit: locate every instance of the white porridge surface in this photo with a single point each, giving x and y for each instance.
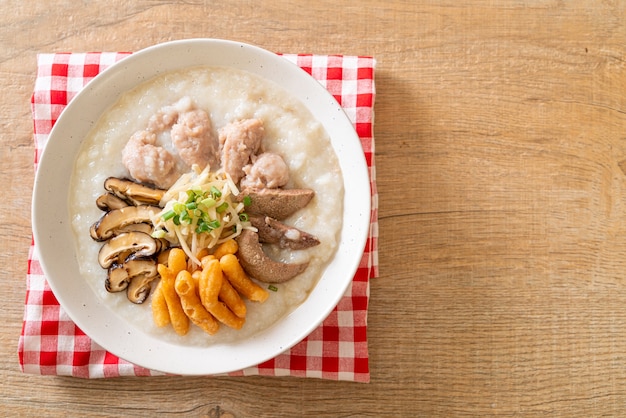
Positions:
(227, 95)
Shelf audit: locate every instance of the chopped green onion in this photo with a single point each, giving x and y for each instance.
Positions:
(185, 217)
(168, 215)
(159, 233)
(178, 207)
(208, 202)
(222, 208)
(191, 196)
(176, 219)
(213, 224)
(215, 192)
(191, 205)
(247, 200)
(202, 227)
(272, 288)
(243, 217)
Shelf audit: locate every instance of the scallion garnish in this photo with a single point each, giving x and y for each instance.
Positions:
(214, 224)
(159, 233)
(222, 208)
(202, 227)
(215, 192)
(178, 207)
(169, 215)
(209, 202)
(202, 212)
(272, 288)
(191, 196)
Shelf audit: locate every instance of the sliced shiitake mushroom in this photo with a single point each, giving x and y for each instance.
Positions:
(144, 227)
(115, 219)
(136, 193)
(258, 265)
(117, 278)
(139, 288)
(135, 274)
(139, 243)
(109, 201)
(142, 271)
(276, 203)
(272, 231)
(162, 245)
(137, 265)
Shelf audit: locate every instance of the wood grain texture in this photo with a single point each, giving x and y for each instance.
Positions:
(501, 160)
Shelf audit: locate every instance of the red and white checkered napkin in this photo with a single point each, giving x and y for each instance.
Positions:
(51, 344)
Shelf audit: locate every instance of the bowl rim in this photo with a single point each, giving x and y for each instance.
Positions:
(51, 223)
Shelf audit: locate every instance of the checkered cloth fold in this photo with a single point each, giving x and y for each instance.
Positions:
(51, 344)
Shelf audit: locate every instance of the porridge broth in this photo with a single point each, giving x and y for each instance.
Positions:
(226, 95)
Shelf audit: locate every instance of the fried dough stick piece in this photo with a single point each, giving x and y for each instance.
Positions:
(240, 280)
(210, 284)
(231, 298)
(160, 313)
(176, 262)
(192, 306)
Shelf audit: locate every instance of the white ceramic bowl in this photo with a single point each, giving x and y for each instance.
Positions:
(52, 225)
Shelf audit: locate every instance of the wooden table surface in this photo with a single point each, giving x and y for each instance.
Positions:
(501, 159)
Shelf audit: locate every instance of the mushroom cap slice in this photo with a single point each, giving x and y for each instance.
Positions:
(105, 227)
(144, 227)
(109, 201)
(142, 271)
(139, 243)
(117, 278)
(276, 203)
(132, 275)
(258, 265)
(162, 245)
(136, 193)
(137, 265)
(139, 288)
